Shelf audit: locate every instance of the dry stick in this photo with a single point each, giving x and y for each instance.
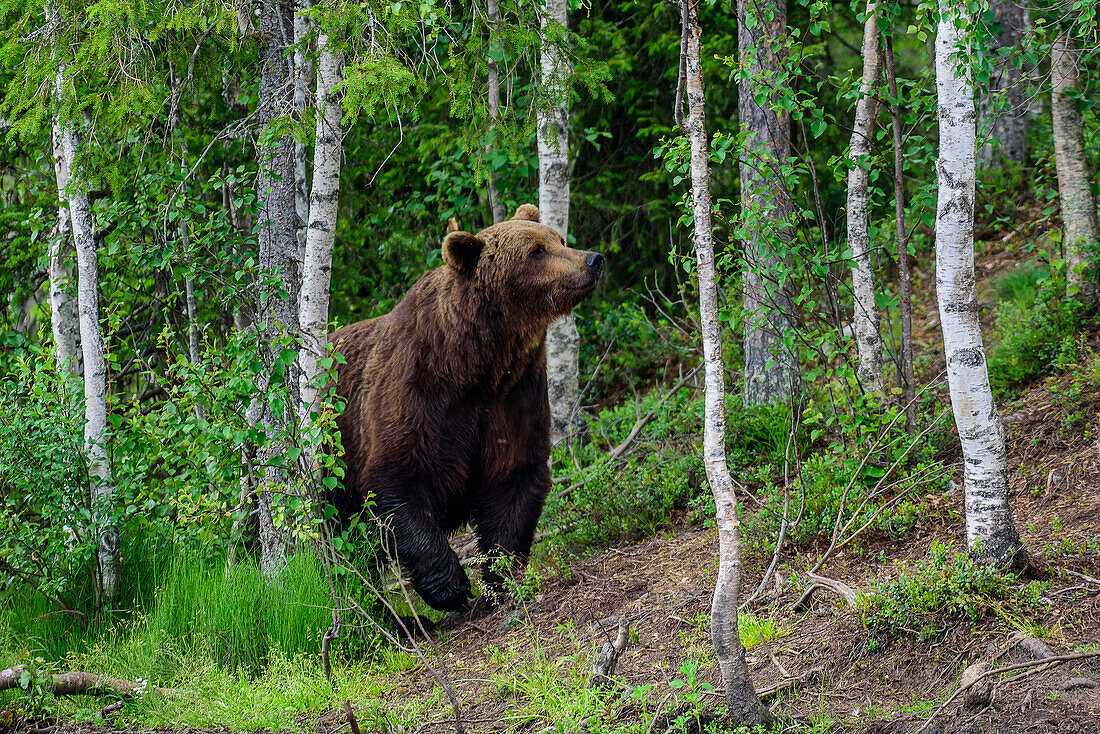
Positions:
(786, 518)
(874, 515)
(837, 529)
(1047, 662)
(440, 680)
(111, 708)
(352, 721)
(903, 241)
(821, 582)
(617, 452)
(876, 492)
(775, 661)
(604, 665)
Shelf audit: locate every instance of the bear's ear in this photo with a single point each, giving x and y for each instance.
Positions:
(461, 251)
(528, 212)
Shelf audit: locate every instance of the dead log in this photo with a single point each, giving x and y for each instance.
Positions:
(78, 683)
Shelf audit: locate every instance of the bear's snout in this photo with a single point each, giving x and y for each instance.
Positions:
(594, 261)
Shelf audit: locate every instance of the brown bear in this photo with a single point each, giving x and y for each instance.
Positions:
(447, 418)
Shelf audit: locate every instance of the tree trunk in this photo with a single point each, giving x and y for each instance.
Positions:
(1006, 128)
(1074, 182)
(63, 316)
(562, 338)
(741, 699)
(865, 310)
(771, 368)
(323, 206)
(904, 279)
(303, 75)
(277, 315)
(95, 366)
(988, 520)
(495, 202)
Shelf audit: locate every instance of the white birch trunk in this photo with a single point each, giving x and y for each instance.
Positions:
(865, 310)
(303, 75)
(495, 203)
(317, 266)
(63, 316)
(1074, 182)
(1008, 126)
(771, 368)
(95, 366)
(741, 699)
(562, 339)
(988, 519)
(277, 317)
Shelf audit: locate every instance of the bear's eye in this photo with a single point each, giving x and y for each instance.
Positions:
(538, 252)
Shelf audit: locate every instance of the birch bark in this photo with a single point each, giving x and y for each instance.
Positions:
(771, 369)
(865, 310)
(64, 322)
(95, 365)
(495, 203)
(1079, 220)
(741, 699)
(323, 207)
(988, 518)
(904, 279)
(277, 310)
(562, 339)
(303, 75)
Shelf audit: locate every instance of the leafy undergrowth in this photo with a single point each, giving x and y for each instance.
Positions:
(634, 538)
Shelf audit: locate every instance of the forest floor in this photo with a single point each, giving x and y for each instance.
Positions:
(508, 670)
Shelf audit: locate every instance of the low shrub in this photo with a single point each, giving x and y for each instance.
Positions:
(925, 597)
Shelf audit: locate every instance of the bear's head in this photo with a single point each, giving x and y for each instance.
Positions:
(524, 266)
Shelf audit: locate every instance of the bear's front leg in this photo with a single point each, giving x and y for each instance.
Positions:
(423, 551)
(506, 517)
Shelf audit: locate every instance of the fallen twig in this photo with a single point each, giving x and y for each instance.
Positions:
(618, 451)
(1046, 662)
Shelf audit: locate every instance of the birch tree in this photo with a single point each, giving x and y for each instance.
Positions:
(108, 560)
(303, 75)
(741, 699)
(904, 279)
(1080, 230)
(771, 369)
(495, 203)
(989, 528)
(1006, 128)
(562, 339)
(865, 310)
(323, 201)
(63, 316)
(277, 313)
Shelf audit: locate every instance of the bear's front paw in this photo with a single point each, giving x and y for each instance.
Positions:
(447, 592)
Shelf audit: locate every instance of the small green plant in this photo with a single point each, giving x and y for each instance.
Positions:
(1036, 326)
(926, 596)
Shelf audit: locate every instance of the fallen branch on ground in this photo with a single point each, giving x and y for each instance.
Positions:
(821, 582)
(78, 683)
(1045, 662)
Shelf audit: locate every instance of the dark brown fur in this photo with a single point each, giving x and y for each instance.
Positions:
(447, 419)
